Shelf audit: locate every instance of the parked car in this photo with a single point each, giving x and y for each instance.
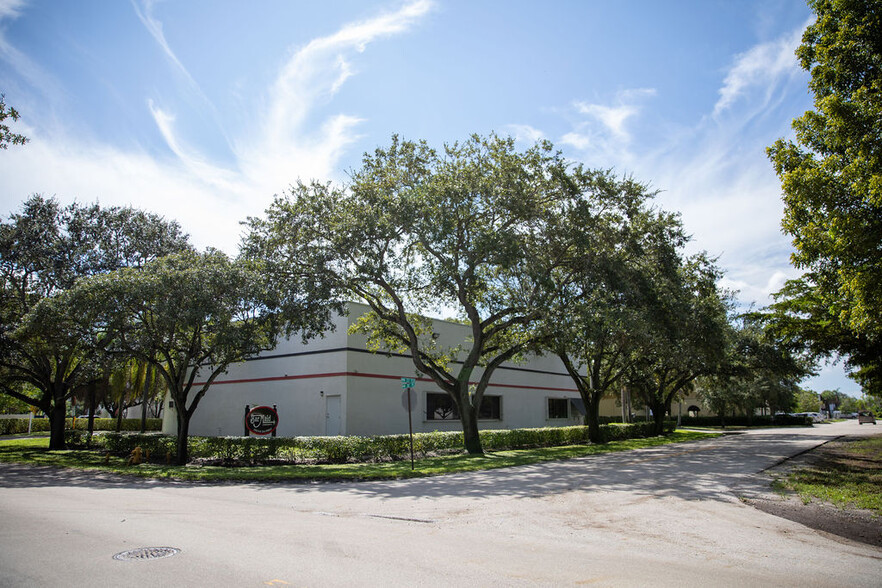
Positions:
(866, 417)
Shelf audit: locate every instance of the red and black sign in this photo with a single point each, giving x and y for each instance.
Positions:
(262, 420)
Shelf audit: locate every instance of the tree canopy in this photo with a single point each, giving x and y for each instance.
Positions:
(7, 137)
(687, 331)
(758, 372)
(44, 357)
(467, 229)
(831, 177)
(603, 309)
(189, 315)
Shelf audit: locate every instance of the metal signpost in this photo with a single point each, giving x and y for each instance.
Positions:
(407, 384)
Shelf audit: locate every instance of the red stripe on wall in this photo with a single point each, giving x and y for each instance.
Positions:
(381, 376)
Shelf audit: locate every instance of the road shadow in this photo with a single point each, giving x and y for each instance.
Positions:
(15, 475)
(698, 470)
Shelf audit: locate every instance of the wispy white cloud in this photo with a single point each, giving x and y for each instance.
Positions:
(29, 71)
(762, 66)
(207, 198)
(289, 143)
(718, 177)
(614, 117)
(525, 133)
(755, 288)
(10, 8)
(229, 182)
(71, 168)
(611, 117)
(602, 132)
(715, 173)
(314, 73)
(154, 27)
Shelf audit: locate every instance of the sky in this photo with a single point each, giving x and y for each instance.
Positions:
(203, 110)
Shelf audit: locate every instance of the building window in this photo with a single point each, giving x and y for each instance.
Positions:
(491, 408)
(558, 408)
(440, 407)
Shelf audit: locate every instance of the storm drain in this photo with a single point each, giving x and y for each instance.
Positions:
(145, 553)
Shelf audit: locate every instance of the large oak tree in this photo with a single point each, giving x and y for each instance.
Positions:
(602, 309)
(831, 176)
(190, 316)
(468, 230)
(44, 250)
(687, 330)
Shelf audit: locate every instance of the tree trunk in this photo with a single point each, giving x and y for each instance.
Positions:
(471, 436)
(657, 407)
(56, 423)
(183, 435)
(658, 418)
(91, 401)
(144, 399)
(592, 417)
(119, 417)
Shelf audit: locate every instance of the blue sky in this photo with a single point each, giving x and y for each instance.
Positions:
(202, 110)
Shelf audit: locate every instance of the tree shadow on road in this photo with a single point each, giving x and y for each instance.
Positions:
(15, 475)
(698, 470)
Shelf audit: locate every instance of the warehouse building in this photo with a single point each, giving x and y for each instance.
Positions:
(334, 385)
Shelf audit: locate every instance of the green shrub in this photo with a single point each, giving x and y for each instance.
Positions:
(123, 443)
(786, 419)
(75, 438)
(16, 426)
(346, 449)
(744, 421)
(41, 424)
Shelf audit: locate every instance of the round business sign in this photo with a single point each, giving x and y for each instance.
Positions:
(262, 420)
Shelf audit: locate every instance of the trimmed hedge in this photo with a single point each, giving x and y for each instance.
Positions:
(352, 449)
(743, 421)
(13, 426)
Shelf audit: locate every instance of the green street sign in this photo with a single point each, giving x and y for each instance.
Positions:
(407, 382)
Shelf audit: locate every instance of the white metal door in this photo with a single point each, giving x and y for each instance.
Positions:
(332, 415)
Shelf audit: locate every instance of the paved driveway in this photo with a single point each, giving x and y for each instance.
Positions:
(668, 516)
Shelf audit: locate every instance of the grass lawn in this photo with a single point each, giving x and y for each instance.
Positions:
(36, 452)
(849, 474)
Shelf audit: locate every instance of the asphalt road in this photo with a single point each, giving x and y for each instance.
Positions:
(668, 516)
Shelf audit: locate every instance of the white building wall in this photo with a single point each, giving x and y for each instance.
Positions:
(293, 376)
(302, 381)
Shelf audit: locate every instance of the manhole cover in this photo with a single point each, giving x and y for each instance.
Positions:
(143, 553)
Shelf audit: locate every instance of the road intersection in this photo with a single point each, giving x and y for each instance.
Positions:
(664, 516)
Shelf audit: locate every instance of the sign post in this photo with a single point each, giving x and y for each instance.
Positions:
(407, 384)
